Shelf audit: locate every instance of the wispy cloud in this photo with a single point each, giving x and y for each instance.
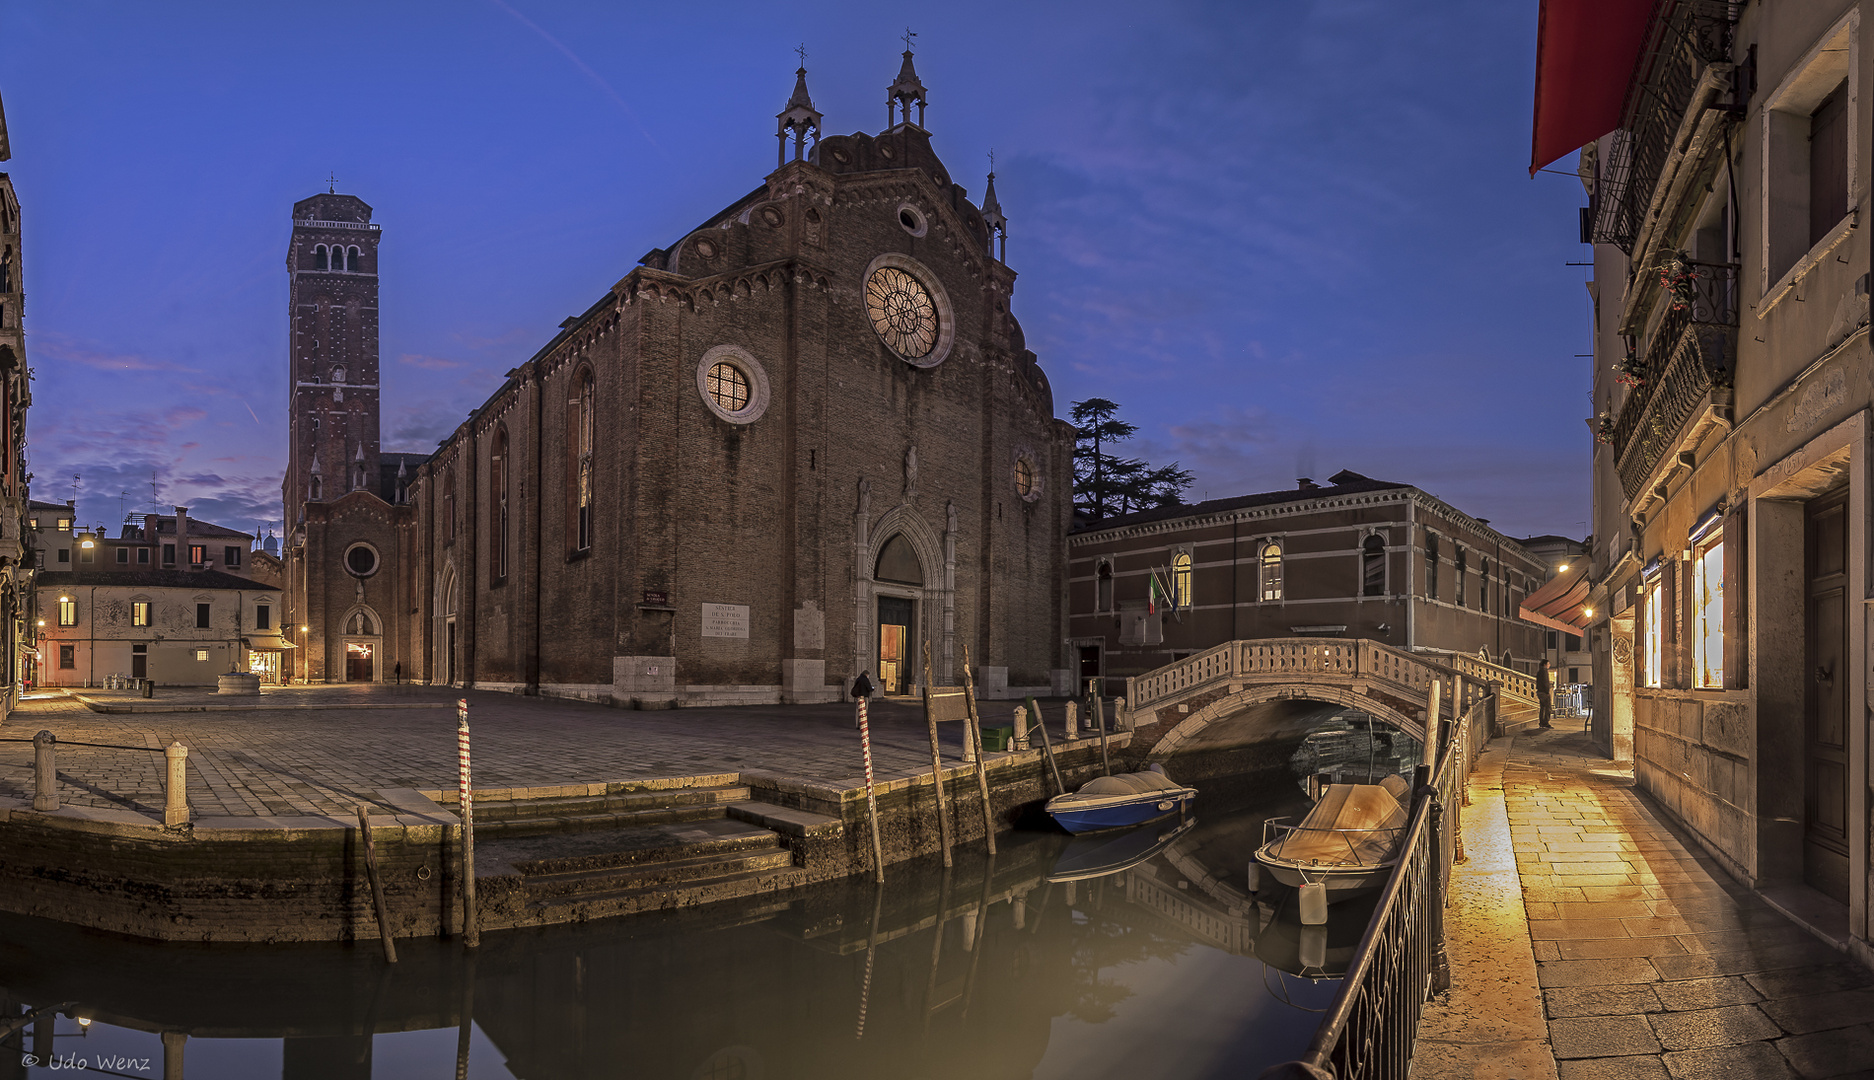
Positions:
(61, 348)
(592, 76)
(428, 363)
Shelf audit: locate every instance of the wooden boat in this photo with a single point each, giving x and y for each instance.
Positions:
(1347, 843)
(1120, 801)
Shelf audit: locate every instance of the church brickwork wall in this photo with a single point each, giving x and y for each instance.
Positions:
(693, 509)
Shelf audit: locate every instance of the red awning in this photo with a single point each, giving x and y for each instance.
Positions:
(1585, 52)
(1561, 604)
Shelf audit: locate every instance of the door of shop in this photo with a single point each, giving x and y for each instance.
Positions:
(894, 641)
(1825, 720)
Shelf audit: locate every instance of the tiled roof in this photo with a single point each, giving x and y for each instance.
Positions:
(148, 579)
(1345, 482)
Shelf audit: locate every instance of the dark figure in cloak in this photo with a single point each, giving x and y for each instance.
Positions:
(1542, 690)
(396, 671)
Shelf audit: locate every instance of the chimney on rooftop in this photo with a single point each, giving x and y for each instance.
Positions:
(182, 535)
(1306, 484)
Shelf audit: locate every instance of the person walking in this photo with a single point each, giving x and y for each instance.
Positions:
(1543, 697)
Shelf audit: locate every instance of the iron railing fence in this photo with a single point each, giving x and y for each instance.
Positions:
(1369, 1031)
(1682, 38)
(1693, 352)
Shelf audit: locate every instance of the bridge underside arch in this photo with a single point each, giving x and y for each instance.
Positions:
(1273, 714)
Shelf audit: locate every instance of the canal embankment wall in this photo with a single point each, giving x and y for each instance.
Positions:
(271, 879)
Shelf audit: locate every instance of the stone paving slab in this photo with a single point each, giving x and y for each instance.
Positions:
(321, 750)
(1669, 969)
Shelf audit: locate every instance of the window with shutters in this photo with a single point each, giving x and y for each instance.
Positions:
(1708, 614)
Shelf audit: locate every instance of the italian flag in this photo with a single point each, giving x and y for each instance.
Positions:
(1157, 596)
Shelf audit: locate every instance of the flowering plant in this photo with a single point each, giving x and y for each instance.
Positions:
(1630, 370)
(1679, 276)
(1604, 428)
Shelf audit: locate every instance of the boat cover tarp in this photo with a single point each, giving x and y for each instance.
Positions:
(1353, 824)
(1135, 783)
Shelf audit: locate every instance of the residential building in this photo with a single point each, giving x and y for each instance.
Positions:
(171, 599)
(1564, 645)
(1726, 163)
(1356, 557)
(16, 564)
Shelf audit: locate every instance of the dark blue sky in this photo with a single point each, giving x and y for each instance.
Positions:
(1288, 237)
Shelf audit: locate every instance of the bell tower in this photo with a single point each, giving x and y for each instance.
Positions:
(332, 407)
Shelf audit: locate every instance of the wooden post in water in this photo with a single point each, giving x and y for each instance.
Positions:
(871, 952)
(377, 885)
(936, 760)
(465, 1023)
(1047, 748)
(974, 736)
(1097, 713)
(471, 916)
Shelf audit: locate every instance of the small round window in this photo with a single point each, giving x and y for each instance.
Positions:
(361, 560)
(912, 219)
(732, 384)
(728, 387)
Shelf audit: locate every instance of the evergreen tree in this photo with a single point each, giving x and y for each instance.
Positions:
(1106, 485)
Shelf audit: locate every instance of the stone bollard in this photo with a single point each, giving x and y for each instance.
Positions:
(1073, 725)
(45, 773)
(1122, 714)
(176, 786)
(1021, 728)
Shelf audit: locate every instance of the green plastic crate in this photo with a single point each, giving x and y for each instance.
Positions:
(997, 739)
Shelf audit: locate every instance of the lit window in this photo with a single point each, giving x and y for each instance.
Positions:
(65, 524)
(201, 655)
(1271, 571)
(68, 611)
(1708, 585)
(1650, 651)
(140, 613)
(728, 387)
(1181, 579)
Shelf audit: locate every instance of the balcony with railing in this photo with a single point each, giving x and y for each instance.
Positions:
(1688, 362)
(1684, 43)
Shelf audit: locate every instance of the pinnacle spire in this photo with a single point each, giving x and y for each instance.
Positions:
(992, 215)
(907, 89)
(799, 118)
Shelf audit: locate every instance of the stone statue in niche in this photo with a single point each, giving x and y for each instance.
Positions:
(865, 497)
(950, 511)
(910, 473)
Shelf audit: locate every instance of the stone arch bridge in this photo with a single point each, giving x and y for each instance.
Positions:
(1273, 690)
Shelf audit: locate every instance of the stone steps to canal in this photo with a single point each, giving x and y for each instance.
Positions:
(547, 856)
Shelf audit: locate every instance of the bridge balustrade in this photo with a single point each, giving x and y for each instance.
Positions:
(1278, 659)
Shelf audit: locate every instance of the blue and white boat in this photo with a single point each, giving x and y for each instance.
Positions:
(1100, 854)
(1118, 802)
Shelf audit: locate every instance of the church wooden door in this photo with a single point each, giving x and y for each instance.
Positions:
(358, 662)
(1825, 720)
(894, 635)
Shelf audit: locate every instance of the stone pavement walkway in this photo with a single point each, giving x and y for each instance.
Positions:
(285, 758)
(1651, 961)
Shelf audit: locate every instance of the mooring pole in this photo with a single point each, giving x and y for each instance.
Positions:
(871, 952)
(871, 799)
(377, 885)
(936, 759)
(974, 736)
(1097, 714)
(1047, 748)
(471, 917)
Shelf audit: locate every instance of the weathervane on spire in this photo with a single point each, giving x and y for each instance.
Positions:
(908, 35)
(802, 50)
(906, 91)
(799, 119)
(331, 184)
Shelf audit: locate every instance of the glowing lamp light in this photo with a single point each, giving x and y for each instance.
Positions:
(87, 543)
(65, 599)
(42, 622)
(1588, 611)
(303, 629)
(1563, 568)
(84, 1021)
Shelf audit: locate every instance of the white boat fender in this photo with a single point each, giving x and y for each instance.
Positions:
(1314, 904)
(1255, 877)
(1314, 947)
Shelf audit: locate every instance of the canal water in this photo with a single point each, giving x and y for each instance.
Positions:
(1137, 956)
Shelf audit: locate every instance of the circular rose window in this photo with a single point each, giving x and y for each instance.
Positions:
(361, 560)
(901, 311)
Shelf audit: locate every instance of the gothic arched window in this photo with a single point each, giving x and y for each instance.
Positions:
(318, 257)
(1457, 562)
(1104, 597)
(1181, 579)
(315, 494)
(351, 259)
(579, 461)
(498, 484)
(448, 505)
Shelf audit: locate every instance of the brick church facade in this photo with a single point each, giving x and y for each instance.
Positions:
(804, 440)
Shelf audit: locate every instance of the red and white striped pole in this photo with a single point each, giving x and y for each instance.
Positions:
(871, 799)
(471, 923)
